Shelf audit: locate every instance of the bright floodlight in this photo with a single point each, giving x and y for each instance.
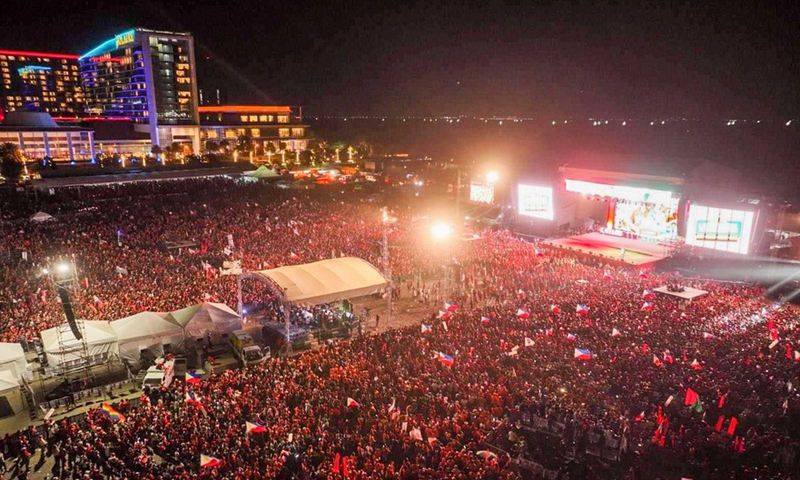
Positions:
(62, 267)
(492, 176)
(440, 231)
(45, 271)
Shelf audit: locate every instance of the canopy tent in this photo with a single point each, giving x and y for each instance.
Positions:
(204, 318)
(12, 359)
(63, 350)
(10, 398)
(262, 172)
(325, 281)
(8, 383)
(41, 217)
(145, 331)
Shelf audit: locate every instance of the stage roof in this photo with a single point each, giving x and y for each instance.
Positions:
(326, 281)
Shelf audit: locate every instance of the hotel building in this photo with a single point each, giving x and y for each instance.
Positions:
(264, 124)
(41, 82)
(149, 77)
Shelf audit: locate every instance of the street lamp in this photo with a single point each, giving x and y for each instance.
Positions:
(492, 176)
(441, 231)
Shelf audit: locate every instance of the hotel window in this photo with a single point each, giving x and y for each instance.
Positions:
(253, 118)
(243, 118)
(297, 132)
(262, 118)
(240, 132)
(283, 119)
(255, 132)
(211, 133)
(283, 132)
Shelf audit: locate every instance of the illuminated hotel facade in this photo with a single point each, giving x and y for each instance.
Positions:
(41, 82)
(263, 124)
(148, 77)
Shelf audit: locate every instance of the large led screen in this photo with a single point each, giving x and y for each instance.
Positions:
(648, 220)
(633, 194)
(719, 228)
(481, 192)
(535, 201)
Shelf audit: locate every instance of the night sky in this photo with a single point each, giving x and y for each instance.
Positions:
(575, 59)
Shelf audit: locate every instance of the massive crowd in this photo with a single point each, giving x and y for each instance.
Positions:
(424, 404)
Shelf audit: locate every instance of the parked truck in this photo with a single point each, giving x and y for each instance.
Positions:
(246, 350)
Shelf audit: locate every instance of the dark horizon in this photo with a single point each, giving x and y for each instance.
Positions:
(559, 60)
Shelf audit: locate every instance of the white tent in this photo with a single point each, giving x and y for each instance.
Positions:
(12, 359)
(8, 383)
(145, 331)
(41, 217)
(327, 280)
(63, 350)
(9, 388)
(201, 319)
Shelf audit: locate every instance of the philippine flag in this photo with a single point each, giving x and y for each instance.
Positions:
(523, 313)
(450, 307)
(486, 320)
(443, 314)
(581, 354)
(193, 399)
(520, 293)
(294, 256)
(192, 378)
(796, 356)
(696, 365)
(352, 403)
(649, 294)
(615, 332)
(555, 309)
(647, 307)
(539, 253)
(571, 336)
(207, 461)
(708, 336)
(581, 309)
(254, 428)
(445, 359)
(640, 417)
(426, 328)
(643, 274)
(607, 275)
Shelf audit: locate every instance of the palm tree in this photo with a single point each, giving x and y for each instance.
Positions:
(11, 162)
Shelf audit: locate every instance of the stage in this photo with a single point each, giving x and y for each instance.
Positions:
(688, 293)
(638, 253)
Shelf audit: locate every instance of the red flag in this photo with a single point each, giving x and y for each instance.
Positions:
(344, 467)
(644, 348)
(684, 355)
(789, 352)
(721, 401)
(732, 426)
(656, 361)
(335, 468)
(720, 421)
(640, 417)
(691, 397)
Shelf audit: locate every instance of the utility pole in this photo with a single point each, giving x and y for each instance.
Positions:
(387, 269)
